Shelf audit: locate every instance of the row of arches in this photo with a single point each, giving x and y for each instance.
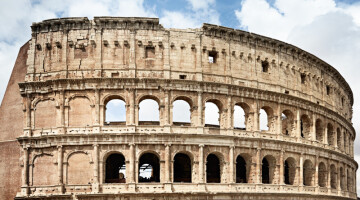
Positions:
(184, 113)
(80, 170)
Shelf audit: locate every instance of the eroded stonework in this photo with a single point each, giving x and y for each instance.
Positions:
(75, 66)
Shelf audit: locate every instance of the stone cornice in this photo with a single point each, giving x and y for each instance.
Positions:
(83, 23)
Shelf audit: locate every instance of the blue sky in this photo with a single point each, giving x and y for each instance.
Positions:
(326, 28)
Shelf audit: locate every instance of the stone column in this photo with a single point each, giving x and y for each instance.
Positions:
(231, 165)
(314, 128)
(97, 107)
(325, 138)
(301, 174)
(28, 112)
(256, 116)
(200, 110)
(60, 165)
(230, 113)
(201, 163)
(316, 176)
(338, 178)
(25, 169)
(62, 109)
(168, 104)
(167, 163)
(132, 163)
(258, 165)
(25, 173)
(328, 175)
(96, 163)
(281, 170)
(278, 121)
(298, 124)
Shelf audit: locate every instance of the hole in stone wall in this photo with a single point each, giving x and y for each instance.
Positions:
(212, 169)
(212, 56)
(115, 112)
(182, 76)
(181, 113)
(212, 115)
(328, 90)
(265, 66)
(115, 169)
(241, 170)
(149, 112)
(150, 52)
(303, 78)
(182, 168)
(149, 168)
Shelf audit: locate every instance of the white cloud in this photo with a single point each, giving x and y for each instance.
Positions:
(201, 12)
(321, 27)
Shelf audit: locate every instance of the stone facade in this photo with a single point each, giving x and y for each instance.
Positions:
(76, 66)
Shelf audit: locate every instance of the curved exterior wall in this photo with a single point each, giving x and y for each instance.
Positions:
(75, 66)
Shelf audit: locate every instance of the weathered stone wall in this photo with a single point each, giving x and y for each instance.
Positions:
(76, 66)
(11, 127)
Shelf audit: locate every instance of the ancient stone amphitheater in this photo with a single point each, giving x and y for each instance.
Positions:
(296, 139)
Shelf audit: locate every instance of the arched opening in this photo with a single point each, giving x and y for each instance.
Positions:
(330, 134)
(181, 113)
(308, 173)
(241, 116)
(115, 112)
(305, 127)
(339, 138)
(319, 131)
(322, 175)
(266, 115)
(182, 168)
(287, 122)
(212, 169)
(149, 112)
(342, 178)
(268, 169)
(289, 171)
(241, 172)
(212, 114)
(115, 169)
(333, 176)
(149, 168)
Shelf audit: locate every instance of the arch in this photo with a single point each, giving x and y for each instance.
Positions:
(289, 171)
(80, 111)
(115, 168)
(339, 139)
(213, 109)
(287, 123)
(308, 173)
(241, 116)
(241, 170)
(266, 116)
(115, 110)
(149, 111)
(45, 113)
(333, 176)
(79, 169)
(213, 169)
(330, 134)
(182, 168)
(305, 128)
(149, 168)
(181, 112)
(268, 169)
(319, 130)
(44, 170)
(322, 175)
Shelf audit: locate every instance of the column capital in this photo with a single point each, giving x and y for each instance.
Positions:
(59, 147)
(167, 145)
(201, 145)
(232, 147)
(131, 144)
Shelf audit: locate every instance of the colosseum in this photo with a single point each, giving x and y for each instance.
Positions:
(283, 129)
